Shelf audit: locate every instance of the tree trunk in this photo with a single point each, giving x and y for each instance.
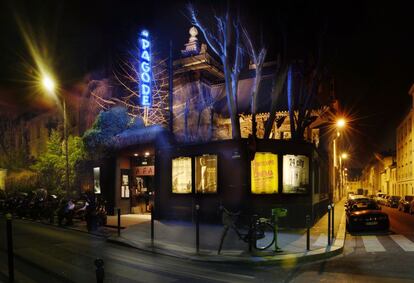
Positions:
(276, 92)
(231, 103)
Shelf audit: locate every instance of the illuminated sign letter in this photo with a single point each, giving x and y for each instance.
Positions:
(145, 69)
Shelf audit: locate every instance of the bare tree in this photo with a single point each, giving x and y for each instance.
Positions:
(257, 57)
(225, 42)
(277, 90)
(127, 75)
(304, 79)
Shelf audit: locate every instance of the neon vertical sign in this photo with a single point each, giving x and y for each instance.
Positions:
(145, 69)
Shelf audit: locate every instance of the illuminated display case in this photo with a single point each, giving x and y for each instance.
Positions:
(206, 174)
(295, 174)
(264, 173)
(181, 175)
(97, 180)
(125, 192)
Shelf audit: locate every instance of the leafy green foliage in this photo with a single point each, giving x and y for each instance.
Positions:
(99, 139)
(21, 181)
(51, 165)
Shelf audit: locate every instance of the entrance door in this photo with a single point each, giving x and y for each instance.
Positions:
(142, 193)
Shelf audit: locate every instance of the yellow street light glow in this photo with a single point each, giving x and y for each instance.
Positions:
(340, 123)
(344, 155)
(48, 83)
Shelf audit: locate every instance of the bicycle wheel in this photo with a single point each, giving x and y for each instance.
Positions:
(264, 236)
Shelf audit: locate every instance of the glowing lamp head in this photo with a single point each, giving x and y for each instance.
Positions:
(48, 83)
(344, 155)
(341, 123)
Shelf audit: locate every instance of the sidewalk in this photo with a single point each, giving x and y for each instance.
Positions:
(177, 239)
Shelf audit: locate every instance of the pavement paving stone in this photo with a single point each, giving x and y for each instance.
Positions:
(177, 238)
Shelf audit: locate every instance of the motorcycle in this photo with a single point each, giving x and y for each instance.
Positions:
(66, 212)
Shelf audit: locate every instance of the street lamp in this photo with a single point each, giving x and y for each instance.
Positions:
(49, 85)
(339, 125)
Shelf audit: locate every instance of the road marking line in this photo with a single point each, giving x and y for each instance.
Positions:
(403, 242)
(372, 244)
(322, 240)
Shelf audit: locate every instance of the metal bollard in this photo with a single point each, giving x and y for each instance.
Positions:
(10, 247)
(333, 221)
(119, 222)
(329, 225)
(152, 224)
(197, 207)
(251, 227)
(100, 271)
(308, 219)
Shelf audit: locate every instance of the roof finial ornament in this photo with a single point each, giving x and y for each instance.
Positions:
(193, 46)
(193, 32)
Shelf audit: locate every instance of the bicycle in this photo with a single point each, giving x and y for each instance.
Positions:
(260, 232)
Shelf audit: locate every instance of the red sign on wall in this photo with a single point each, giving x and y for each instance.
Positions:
(144, 171)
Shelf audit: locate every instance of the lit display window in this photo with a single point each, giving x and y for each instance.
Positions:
(264, 173)
(206, 174)
(181, 175)
(295, 174)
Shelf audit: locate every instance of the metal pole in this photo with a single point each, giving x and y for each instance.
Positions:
(251, 236)
(65, 136)
(308, 232)
(119, 222)
(152, 223)
(10, 247)
(329, 225)
(197, 207)
(277, 249)
(170, 87)
(100, 271)
(333, 220)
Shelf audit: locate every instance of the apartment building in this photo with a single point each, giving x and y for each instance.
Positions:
(404, 143)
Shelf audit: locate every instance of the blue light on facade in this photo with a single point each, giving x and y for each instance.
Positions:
(145, 69)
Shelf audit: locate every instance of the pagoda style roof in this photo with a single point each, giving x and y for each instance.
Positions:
(155, 134)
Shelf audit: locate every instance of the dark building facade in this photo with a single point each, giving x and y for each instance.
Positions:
(199, 164)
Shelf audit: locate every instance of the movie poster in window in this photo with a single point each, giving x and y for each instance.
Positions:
(295, 174)
(206, 174)
(124, 186)
(264, 173)
(96, 180)
(181, 175)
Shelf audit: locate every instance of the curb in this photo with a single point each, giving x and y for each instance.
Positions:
(314, 255)
(62, 227)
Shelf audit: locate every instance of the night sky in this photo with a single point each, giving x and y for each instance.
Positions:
(368, 48)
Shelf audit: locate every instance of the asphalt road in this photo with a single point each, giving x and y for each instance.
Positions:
(52, 254)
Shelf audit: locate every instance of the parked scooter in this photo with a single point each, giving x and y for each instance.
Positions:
(66, 211)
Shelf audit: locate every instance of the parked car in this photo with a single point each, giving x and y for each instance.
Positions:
(411, 209)
(353, 198)
(365, 215)
(383, 200)
(378, 197)
(393, 201)
(404, 203)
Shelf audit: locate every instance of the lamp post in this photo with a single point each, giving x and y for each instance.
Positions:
(340, 124)
(50, 86)
(342, 159)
